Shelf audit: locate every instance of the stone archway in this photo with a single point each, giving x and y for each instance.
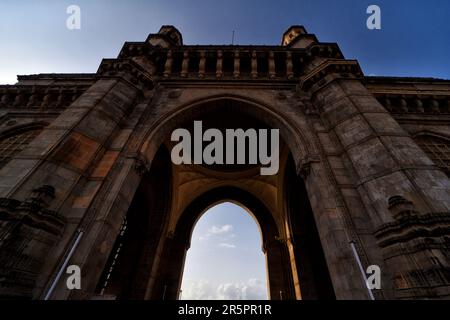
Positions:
(194, 188)
(190, 182)
(277, 255)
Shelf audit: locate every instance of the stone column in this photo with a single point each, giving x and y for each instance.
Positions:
(201, 65)
(67, 151)
(167, 284)
(254, 72)
(168, 65)
(281, 281)
(28, 230)
(272, 73)
(289, 66)
(219, 63)
(185, 64)
(384, 158)
(237, 64)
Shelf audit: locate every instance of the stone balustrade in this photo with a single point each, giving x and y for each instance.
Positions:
(415, 104)
(229, 62)
(39, 96)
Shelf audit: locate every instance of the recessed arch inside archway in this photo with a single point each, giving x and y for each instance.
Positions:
(225, 260)
(171, 198)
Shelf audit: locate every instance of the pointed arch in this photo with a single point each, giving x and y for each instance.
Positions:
(437, 148)
(16, 139)
(300, 142)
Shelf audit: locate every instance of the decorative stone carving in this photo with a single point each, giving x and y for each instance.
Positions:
(343, 68)
(254, 64)
(415, 104)
(128, 70)
(304, 169)
(174, 94)
(417, 247)
(281, 96)
(4, 101)
(42, 97)
(403, 105)
(434, 106)
(140, 165)
(25, 225)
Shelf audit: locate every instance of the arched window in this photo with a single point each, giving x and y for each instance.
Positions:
(15, 141)
(438, 149)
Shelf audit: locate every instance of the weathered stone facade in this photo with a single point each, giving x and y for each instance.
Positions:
(363, 160)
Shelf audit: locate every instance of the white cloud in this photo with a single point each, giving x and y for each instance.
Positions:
(226, 228)
(223, 231)
(227, 245)
(197, 290)
(253, 289)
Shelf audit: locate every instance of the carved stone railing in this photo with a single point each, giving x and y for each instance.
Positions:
(41, 97)
(415, 103)
(229, 62)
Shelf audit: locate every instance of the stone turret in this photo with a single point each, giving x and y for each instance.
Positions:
(297, 37)
(166, 37)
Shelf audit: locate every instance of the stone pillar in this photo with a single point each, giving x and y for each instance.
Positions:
(385, 160)
(335, 231)
(201, 65)
(28, 230)
(272, 73)
(237, 64)
(67, 151)
(168, 65)
(185, 64)
(254, 72)
(289, 66)
(219, 64)
(281, 281)
(167, 284)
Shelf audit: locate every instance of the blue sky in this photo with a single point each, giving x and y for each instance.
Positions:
(413, 40)
(225, 260)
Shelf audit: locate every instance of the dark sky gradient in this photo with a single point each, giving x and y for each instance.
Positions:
(414, 40)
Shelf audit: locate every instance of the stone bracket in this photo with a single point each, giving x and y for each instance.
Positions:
(345, 68)
(304, 168)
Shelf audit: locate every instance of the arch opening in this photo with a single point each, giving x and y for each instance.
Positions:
(277, 256)
(225, 260)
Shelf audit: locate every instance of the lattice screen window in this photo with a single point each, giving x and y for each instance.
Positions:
(12, 145)
(437, 149)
